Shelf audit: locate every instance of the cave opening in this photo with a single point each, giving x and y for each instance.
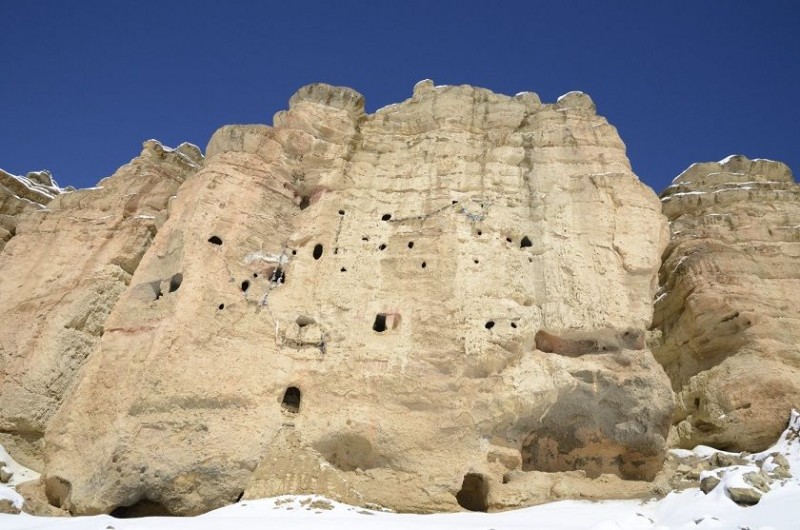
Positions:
(380, 323)
(291, 400)
(317, 251)
(175, 282)
(215, 240)
(278, 276)
(474, 493)
(142, 508)
(245, 286)
(525, 242)
(386, 217)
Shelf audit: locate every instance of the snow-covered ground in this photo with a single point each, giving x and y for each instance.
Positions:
(779, 508)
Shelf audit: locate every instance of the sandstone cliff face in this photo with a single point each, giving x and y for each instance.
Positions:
(71, 257)
(441, 303)
(727, 305)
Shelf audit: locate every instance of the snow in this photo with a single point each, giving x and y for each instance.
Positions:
(21, 473)
(684, 510)
(729, 158)
(570, 93)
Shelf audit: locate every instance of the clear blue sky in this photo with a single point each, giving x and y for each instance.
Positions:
(83, 83)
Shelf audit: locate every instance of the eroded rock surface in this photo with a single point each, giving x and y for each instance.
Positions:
(727, 306)
(19, 194)
(72, 255)
(422, 308)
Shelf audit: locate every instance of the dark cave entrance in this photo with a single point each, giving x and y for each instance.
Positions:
(474, 493)
(291, 399)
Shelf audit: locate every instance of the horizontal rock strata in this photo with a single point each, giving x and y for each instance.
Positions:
(727, 306)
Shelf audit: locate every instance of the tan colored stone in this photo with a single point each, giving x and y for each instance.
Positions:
(393, 308)
(71, 258)
(727, 305)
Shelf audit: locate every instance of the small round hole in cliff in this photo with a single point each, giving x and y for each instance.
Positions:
(410, 244)
(343, 269)
(480, 233)
(380, 323)
(142, 508)
(382, 246)
(476, 261)
(508, 239)
(291, 400)
(245, 286)
(175, 282)
(424, 264)
(317, 251)
(525, 242)
(386, 217)
(474, 493)
(221, 307)
(341, 212)
(489, 324)
(294, 253)
(255, 275)
(304, 202)
(215, 240)
(514, 325)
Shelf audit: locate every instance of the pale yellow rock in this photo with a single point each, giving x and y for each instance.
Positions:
(398, 308)
(60, 276)
(727, 306)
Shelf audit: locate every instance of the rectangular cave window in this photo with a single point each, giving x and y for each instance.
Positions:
(380, 323)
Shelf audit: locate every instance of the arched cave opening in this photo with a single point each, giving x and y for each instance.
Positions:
(291, 400)
(317, 251)
(142, 508)
(245, 286)
(525, 242)
(215, 240)
(474, 493)
(380, 323)
(175, 282)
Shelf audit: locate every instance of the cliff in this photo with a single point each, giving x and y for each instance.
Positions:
(444, 304)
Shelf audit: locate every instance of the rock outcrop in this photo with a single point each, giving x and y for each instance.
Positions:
(20, 194)
(727, 306)
(72, 255)
(420, 308)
